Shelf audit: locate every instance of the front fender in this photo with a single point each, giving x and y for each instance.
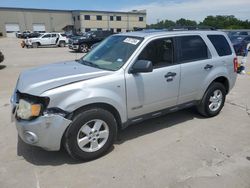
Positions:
(74, 98)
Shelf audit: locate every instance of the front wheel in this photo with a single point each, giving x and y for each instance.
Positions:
(91, 134)
(213, 100)
(34, 45)
(84, 48)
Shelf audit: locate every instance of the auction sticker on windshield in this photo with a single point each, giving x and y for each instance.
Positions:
(131, 41)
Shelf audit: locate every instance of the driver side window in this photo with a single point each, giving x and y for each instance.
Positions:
(160, 52)
(47, 36)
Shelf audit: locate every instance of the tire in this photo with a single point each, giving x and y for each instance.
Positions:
(61, 44)
(91, 134)
(84, 48)
(34, 45)
(213, 100)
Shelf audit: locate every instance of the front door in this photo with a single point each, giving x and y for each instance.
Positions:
(45, 40)
(157, 90)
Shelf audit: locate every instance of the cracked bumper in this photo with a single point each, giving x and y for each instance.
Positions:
(48, 131)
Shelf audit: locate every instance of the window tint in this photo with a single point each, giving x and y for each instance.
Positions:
(118, 18)
(98, 17)
(53, 35)
(220, 44)
(191, 48)
(160, 52)
(86, 17)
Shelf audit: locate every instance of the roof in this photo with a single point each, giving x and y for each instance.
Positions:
(154, 33)
(70, 11)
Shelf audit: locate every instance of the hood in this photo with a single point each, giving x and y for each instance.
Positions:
(38, 80)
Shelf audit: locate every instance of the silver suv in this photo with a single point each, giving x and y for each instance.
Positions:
(126, 79)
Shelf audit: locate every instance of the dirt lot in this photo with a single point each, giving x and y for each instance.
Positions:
(178, 150)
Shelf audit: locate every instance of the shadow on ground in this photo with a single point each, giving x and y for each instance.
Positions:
(2, 67)
(38, 156)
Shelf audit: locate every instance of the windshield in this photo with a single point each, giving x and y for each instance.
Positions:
(112, 53)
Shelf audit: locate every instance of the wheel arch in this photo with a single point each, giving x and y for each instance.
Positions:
(102, 105)
(223, 80)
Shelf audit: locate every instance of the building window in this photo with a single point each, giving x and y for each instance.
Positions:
(118, 30)
(87, 29)
(98, 17)
(140, 19)
(118, 18)
(99, 29)
(74, 18)
(111, 18)
(78, 17)
(86, 17)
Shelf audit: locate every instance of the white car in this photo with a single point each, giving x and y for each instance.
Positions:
(47, 39)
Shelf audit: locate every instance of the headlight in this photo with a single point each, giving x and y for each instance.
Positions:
(75, 41)
(26, 110)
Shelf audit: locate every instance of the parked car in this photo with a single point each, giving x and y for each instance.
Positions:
(23, 35)
(84, 43)
(236, 33)
(1, 57)
(240, 43)
(47, 39)
(126, 79)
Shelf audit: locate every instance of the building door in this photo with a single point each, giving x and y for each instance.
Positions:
(11, 29)
(39, 28)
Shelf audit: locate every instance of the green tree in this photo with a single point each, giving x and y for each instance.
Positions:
(185, 22)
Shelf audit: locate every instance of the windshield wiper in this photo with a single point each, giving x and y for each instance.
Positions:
(88, 63)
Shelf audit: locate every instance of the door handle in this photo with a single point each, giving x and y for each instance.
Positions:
(208, 66)
(170, 74)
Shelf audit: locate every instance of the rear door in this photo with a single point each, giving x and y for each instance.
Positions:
(54, 39)
(196, 63)
(157, 90)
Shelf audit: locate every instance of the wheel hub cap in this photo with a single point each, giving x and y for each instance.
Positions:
(215, 100)
(93, 135)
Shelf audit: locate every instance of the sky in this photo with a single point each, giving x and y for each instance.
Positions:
(156, 10)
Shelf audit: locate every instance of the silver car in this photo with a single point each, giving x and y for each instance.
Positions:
(126, 79)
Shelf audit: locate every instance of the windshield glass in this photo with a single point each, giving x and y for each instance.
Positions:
(112, 53)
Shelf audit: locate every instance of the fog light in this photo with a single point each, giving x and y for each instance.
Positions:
(30, 137)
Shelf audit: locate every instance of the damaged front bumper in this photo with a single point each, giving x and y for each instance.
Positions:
(45, 131)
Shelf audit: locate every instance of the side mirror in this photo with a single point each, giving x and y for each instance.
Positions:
(141, 66)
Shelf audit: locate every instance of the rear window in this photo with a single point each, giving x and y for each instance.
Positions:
(191, 48)
(220, 44)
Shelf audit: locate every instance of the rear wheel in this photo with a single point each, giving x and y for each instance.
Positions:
(62, 44)
(91, 134)
(213, 100)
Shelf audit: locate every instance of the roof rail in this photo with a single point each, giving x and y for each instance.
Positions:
(187, 28)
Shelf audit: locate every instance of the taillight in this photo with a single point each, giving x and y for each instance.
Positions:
(235, 64)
